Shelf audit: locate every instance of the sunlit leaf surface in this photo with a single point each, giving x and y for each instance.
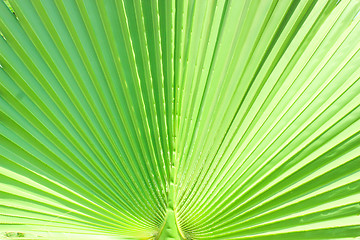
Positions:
(180, 119)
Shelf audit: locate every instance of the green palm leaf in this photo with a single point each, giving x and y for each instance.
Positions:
(180, 119)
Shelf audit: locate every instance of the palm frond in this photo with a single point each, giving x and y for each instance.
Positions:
(189, 119)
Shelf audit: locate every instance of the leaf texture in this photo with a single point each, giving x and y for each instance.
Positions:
(180, 119)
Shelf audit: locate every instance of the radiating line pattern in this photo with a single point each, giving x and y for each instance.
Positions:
(180, 119)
